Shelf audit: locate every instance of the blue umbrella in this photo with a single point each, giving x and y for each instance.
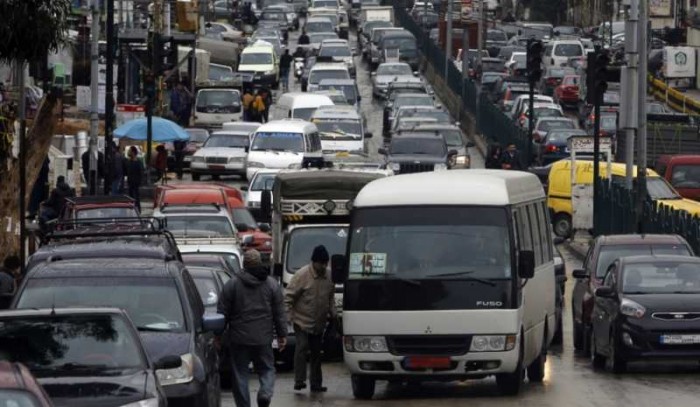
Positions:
(163, 130)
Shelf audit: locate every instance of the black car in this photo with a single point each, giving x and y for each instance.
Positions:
(648, 308)
(84, 357)
(161, 299)
(417, 152)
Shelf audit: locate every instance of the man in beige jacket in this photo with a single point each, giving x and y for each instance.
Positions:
(310, 303)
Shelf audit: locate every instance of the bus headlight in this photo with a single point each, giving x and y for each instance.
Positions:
(366, 344)
(492, 343)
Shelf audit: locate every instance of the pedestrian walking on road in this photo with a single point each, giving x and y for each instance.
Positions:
(134, 175)
(253, 305)
(52, 208)
(247, 101)
(493, 161)
(10, 276)
(311, 305)
(118, 170)
(510, 159)
(304, 38)
(257, 108)
(285, 65)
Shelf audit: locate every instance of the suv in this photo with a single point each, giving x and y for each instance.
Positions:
(602, 253)
(400, 100)
(455, 139)
(82, 355)
(161, 299)
(337, 51)
(417, 152)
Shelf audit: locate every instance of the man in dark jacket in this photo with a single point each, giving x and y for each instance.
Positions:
(511, 158)
(134, 174)
(254, 308)
(54, 205)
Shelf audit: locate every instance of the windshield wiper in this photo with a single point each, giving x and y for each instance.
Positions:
(464, 273)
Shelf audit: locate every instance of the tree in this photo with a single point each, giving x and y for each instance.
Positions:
(548, 10)
(30, 30)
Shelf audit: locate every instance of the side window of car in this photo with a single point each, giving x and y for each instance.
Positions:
(193, 297)
(610, 276)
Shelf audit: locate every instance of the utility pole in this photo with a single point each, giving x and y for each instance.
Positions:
(20, 78)
(641, 114)
(480, 38)
(448, 45)
(534, 73)
(109, 94)
(629, 102)
(94, 97)
(599, 74)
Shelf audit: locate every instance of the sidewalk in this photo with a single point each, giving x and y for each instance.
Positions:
(580, 243)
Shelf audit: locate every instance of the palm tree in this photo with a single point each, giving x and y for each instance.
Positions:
(30, 30)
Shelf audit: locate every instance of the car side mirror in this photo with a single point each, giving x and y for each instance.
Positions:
(470, 144)
(215, 323)
(381, 151)
(264, 227)
(168, 362)
(266, 204)
(242, 227)
(605, 292)
(368, 134)
(452, 153)
(526, 264)
(338, 271)
(247, 240)
(580, 273)
(277, 271)
(244, 187)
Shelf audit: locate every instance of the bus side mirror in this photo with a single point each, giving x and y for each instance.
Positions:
(266, 204)
(526, 264)
(338, 272)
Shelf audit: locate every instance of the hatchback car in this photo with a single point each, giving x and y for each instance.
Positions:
(160, 297)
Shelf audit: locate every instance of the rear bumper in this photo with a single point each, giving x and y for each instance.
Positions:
(218, 169)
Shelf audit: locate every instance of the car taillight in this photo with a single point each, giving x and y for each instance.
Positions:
(551, 148)
(551, 81)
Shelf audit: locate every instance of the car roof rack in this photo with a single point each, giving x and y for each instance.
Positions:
(100, 199)
(105, 227)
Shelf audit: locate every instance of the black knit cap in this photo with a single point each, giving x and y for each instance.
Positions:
(320, 255)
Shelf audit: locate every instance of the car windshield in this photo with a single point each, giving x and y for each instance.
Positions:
(610, 253)
(414, 100)
(547, 112)
(107, 213)
(326, 3)
(338, 130)
(278, 141)
(51, 345)
(220, 73)
(417, 146)
(568, 50)
(228, 140)
(370, 25)
(301, 243)
(655, 108)
(317, 75)
(570, 80)
(608, 122)
(18, 398)
(242, 216)
(319, 26)
(232, 261)
(492, 66)
(520, 59)
(263, 181)
(256, 58)
(547, 125)
(197, 135)
(303, 113)
(335, 51)
(686, 176)
(439, 115)
(401, 43)
(200, 226)
(487, 78)
(332, 17)
(465, 242)
(394, 69)
(661, 278)
(206, 286)
(218, 101)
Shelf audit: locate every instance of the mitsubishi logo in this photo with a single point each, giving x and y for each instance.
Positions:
(428, 330)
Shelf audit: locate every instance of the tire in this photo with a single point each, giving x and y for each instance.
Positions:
(597, 360)
(615, 363)
(363, 387)
(535, 372)
(510, 384)
(195, 176)
(562, 225)
(577, 333)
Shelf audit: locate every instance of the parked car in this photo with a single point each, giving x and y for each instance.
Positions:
(683, 172)
(603, 252)
(81, 355)
(19, 388)
(177, 326)
(647, 309)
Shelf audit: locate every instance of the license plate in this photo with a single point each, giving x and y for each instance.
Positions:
(427, 362)
(679, 339)
(217, 167)
(188, 159)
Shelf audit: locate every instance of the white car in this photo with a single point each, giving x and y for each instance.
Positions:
(338, 51)
(225, 152)
(390, 72)
(198, 223)
(262, 180)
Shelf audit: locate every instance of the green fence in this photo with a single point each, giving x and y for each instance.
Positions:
(615, 215)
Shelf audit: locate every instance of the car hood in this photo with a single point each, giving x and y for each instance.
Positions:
(417, 159)
(667, 302)
(99, 391)
(159, 344)
(275, 159)
(688, 205)
(383, 79)
(220, 152)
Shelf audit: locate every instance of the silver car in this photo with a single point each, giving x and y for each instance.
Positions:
(389, 72)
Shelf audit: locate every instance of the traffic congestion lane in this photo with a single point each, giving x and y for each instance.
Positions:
(569, 381)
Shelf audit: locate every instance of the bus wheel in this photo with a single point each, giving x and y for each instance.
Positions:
(562, 225)
(535, 372)
(510, 384)
(363, 387)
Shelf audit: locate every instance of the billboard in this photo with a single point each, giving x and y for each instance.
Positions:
(660, 8)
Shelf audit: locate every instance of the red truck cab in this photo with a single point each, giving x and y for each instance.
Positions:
(683, 172)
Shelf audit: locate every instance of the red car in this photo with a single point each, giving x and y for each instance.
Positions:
(567, 91)
(98, 207)
(19, 388)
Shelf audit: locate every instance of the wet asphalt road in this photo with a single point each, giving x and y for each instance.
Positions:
(570, 381)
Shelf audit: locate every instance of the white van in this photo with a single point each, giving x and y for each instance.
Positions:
(452, 283)
(557, 53)
(282, 144)
(261, 60)
(215, 106)
(341, 128)
(298, 105)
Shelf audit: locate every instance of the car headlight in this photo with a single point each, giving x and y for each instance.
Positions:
(394, 166)
(235, 160)
(196, 159)
(182, 374)
(462, 159)
(365, 344)
(255, 164)
(270, 72)
(440, 167)
(493, 343)
(294, 165)
(143, 403)
(632, 309)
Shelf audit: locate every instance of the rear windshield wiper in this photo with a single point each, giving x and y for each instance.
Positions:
(464, 273)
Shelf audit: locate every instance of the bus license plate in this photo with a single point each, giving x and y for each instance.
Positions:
(427, 362)
(680, 339)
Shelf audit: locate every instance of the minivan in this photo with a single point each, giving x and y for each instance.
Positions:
(298, 105)
(214, 107)
(260, 59)
(557, 53)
